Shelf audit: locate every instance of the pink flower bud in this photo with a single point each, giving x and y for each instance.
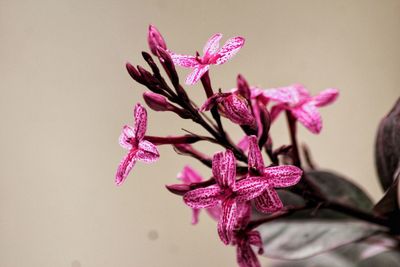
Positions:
(155, 39)
(156, 102)
(238, 110)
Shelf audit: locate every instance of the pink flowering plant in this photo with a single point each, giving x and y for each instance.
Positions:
(279, 204)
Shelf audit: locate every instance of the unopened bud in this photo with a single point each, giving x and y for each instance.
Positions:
(155, 39)
(178, 189)
(238, 110)
(156, 102)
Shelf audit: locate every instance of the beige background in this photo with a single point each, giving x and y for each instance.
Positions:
(65, 95)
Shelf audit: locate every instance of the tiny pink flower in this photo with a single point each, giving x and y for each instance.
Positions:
(275, 177)
(233, 106)
(212, 56)
(227, 192)
(188, 176)
(301, 104)
(139, 149)
(155, 40)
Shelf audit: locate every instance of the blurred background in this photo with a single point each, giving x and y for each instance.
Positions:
(65, 94)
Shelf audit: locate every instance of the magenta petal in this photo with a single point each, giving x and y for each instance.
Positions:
(203, 197)
(246, 257)
(184, 60)
(282, 176)
(196, 74)
(140, 116)
(308, 115)
(243, 214)
(293, 94)
(195, 216)
(188, 175)
(212, 45)
(147, 152)
(276, 110)
(326, 97)
(229, 49)
(224, 168)
(254, 238)
(250, 188)
(126, 136)
(227, 221)
(125, 167)
(256, 161)
(210, 102)
(269, 201)
(214, 212)
(244, 143)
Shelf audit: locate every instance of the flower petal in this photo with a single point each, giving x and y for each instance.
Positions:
(224, 169)
(196, 74)
(195, 216)
(276, 110)
(254, 238)
(125, 166)
(188, 175)
(243, 214)
(212, 45)
(282, 176)
(140, 116)
(203, 197)
(250, 188)
(269, 201)
(230, 48)
(214, 212)
(292, 94)
(256, 161)
(246, 257)
(147, 152)
(244, 143)
(185, 61)
(126, 136)
(326, 97)
(227, 221)
(308, 115)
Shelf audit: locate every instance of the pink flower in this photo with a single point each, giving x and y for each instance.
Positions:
(301, 104)
(188, 176)
(226, 191)
(277, 176)
(139, 149)
(212, 56)
(233, 106)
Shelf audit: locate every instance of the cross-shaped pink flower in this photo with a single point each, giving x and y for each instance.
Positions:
(301, 104)
(275, 177)
(188, 176)
(139, 149)
(226, 191)
(212, 56)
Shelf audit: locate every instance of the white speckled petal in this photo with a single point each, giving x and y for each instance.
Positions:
(184, 60)
(268, 202)
(126, 136)
(147, 152)
(196, 74)
(212, 45)
(140, 117)
(125, 166)
(308, 115)
(230, 48)
(283, 176)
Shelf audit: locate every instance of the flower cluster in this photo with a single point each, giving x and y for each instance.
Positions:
(240, 182)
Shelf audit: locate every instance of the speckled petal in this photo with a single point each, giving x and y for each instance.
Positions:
(256, 161)
(147, 152)
(243, 214)
(212, 45)
(244, 143)
(214, 212)
(126, 136)
(203, 197)
(228, 221)
(185, 61)
(224, 169)
(268, 202)
(246, 257)
(282, 176)
(308, 115)
(188, 175)
(196, 74)
(230, 48)
(292, 95)
(125, 166)
(276, 110)
(140, 117)
(250, 188)
(326, 97)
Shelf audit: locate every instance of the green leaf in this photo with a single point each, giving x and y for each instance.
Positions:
(387, 146)
(339, 189)
(297, 239)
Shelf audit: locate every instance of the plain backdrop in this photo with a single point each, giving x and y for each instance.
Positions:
(65, 94)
